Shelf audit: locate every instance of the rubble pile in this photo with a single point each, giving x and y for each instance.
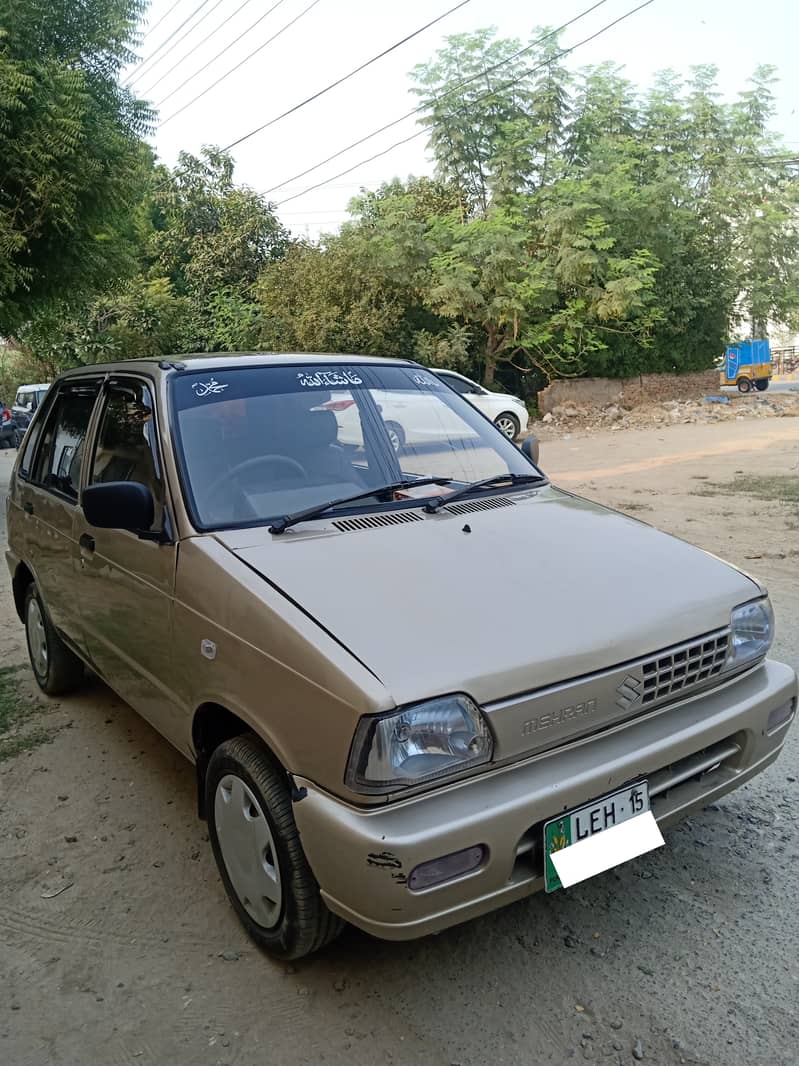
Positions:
(618, 416)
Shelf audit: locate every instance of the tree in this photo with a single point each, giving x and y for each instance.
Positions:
(201, 243)
(70, 142)
(765, 233)
(209, 234)
(477, 118)
(331, 297)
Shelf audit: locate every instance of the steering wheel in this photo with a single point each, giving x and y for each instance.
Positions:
(252, 464)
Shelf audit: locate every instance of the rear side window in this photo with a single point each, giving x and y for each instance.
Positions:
(63, 439)
(458, 384)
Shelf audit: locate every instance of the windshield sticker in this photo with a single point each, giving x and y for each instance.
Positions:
(426, 381)
(207, 388)
(329, 377)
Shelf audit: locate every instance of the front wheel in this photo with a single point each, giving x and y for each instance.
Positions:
(761, 384)
(744, 385)
(508, 424)
(258, 851)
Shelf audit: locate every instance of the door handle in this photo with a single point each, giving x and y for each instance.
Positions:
(86, 542)
(27, 507)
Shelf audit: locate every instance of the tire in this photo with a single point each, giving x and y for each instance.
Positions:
(57, 669)
(744, 385)
(396, 434)
(508, 424)
(256, 845)
(762, 384)
(18, 438)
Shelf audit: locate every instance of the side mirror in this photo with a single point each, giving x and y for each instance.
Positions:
(530, 447)
(119, 505)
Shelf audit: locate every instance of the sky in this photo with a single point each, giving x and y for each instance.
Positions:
(331, 37)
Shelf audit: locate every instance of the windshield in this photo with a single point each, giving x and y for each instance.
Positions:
(258, 443)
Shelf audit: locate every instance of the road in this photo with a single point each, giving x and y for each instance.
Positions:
(774, 386)
(119, 947)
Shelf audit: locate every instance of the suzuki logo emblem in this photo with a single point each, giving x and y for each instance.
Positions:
(629, 692)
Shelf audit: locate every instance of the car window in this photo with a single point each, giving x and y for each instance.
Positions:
(29, 449)
(458, 384)
(126, 448)
(258, 443)
(59, 457)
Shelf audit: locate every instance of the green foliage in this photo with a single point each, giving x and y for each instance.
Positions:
(332, 297)
(574, 225)
(73, 163)
(207, 233)
(201, 244)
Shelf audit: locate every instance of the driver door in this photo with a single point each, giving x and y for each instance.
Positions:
(128, 582)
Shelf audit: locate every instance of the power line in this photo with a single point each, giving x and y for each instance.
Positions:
(484, 96)
(232, 70)
(137, 73)
(227, 48)
(205, 39)
(347, 185)
(345, 77)
(166, 14)
(449, 92)
(329, 211)
(174, 45)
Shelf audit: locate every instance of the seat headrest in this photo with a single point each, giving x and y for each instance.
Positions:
(320, 428)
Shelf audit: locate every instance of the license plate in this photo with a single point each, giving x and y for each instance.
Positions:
(585, 822)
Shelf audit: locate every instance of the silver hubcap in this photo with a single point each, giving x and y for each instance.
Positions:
(248, 850)
(393, 436)
(37, 638)
(506, 426)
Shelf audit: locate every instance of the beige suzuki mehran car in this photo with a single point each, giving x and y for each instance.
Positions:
(303, 619)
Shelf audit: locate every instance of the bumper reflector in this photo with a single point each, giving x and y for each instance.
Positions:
(780, 715)
(447, 868)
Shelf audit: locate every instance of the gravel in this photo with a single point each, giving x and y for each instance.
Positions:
(715, 925)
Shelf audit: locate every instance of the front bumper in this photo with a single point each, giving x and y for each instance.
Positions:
(691, 753)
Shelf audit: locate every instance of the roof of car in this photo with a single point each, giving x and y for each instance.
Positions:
(222, 360)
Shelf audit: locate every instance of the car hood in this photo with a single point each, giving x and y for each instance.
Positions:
(495, 602)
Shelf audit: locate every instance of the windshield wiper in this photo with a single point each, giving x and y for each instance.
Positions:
(282, 524)
(486, 483)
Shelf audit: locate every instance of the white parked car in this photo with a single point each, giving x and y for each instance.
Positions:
(415, 418)
(26, 401)
(508, 413)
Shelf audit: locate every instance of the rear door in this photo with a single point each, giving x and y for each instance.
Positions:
(128, 581)
(49, 485)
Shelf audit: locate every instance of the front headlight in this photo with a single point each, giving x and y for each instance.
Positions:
(751, 633)
(418, 744)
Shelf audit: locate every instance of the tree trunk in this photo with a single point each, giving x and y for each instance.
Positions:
(490, 357)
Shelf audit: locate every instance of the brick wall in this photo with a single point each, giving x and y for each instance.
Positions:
(647, 388)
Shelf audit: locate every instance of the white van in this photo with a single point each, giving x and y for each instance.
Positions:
(26, 401)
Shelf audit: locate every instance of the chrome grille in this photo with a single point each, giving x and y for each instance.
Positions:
(684, 667)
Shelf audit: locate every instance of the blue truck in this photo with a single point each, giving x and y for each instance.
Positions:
(747, 364)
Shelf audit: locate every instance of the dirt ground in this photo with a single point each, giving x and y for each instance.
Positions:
(119, 947)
